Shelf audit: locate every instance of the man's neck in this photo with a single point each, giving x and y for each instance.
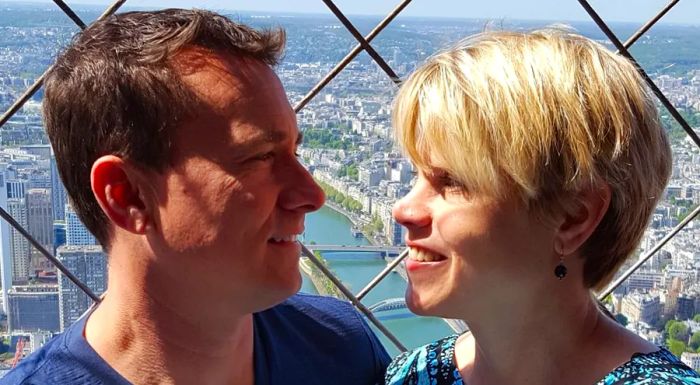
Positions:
(149, 341)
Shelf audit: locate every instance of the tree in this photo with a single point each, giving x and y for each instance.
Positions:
(695, 341)
(676, 347)
(696, 318)
(352, 171)
(621, 319)
(677, 330)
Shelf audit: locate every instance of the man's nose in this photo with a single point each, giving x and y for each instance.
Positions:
(301, 192)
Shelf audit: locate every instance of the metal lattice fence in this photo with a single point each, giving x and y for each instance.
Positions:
(364, 45)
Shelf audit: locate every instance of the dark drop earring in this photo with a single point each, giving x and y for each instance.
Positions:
(560, 270)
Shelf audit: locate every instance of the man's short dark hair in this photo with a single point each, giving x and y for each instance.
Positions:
(114, 90)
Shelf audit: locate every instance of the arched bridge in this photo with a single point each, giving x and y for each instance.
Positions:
(388, 304)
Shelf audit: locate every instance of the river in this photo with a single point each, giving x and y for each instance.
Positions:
(329, 227)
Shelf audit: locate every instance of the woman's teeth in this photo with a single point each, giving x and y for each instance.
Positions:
(423, 255)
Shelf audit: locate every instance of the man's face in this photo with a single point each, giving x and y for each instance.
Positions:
(234, 198)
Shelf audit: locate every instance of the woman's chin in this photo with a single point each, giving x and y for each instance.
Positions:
(419, 303)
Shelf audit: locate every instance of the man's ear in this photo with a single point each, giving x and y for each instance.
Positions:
(577, 226)
(119, 191)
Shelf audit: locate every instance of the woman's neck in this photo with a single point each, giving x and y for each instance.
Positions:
(567, 338)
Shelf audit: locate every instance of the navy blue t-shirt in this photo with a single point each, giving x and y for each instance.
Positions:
(305, 340)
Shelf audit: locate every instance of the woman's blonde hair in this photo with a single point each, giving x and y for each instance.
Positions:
(542, 116)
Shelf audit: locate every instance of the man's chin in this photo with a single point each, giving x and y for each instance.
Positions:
(277, 291)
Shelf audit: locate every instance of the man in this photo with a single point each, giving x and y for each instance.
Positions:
(176, 144)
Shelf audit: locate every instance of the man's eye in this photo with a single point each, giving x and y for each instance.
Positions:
(264, 157)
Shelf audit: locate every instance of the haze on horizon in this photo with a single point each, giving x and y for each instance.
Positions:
(637, 11)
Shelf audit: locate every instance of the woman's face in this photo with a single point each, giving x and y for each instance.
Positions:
(470, 252)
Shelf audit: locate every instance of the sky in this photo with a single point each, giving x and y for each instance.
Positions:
(685, 12)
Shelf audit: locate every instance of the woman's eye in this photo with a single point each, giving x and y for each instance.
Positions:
(447, 180)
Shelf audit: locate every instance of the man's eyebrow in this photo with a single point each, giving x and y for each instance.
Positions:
(272, 136)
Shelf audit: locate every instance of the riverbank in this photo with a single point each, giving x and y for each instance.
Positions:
(356, 221)
(323, 285)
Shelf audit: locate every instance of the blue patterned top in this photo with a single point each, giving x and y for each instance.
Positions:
(433, 364)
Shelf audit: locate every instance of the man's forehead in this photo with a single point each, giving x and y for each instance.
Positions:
(222, 79)
(242, 103)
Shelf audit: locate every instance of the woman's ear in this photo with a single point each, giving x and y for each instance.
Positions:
(118, 190)
(577, 226)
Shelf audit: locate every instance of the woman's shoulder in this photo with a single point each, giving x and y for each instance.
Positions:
(659, 367)
(429, 364)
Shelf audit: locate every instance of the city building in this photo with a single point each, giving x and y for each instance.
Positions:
(5, 252)
(642, 307)
(33, 308)
(40, 216)
(643, 280)
(19, 245)
(58, 192)
(16, 188)
(685, 307)
(395, 233)
(371, 176)
(40, 150)
(59, 235)
(692, 360)
(76, 232)
(39, 179)
(89, 264)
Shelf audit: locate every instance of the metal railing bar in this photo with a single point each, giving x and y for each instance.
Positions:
(350, 56)
(367, 47)
(40, 81)
(59, 265)
(382, 274)
(23, 99)
(370, 316)
(68, 11)
(111, 9)
(624, 52)
(633, 39)
(648, 255)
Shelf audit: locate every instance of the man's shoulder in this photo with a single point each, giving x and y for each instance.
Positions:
(302, 302)
(38, 367)
(330, 334)
(65, 360)
(317, 312)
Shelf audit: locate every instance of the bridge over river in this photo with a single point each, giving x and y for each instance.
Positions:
(388, 305)
(356, 252)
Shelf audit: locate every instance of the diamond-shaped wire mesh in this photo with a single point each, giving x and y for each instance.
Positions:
(364, 45)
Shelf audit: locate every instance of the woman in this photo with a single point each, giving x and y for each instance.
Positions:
(540, 158)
